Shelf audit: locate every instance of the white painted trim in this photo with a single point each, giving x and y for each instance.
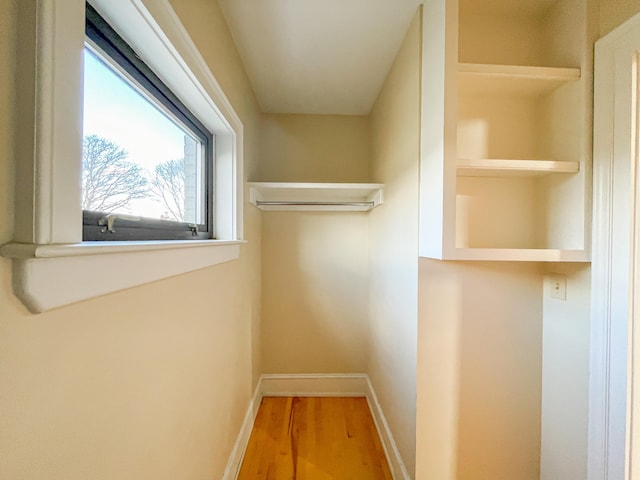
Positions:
(48, 232)
(240, 445)
(28, 251)
(600, 383)
(438, 147)
(49, 147)
(46, 283)
(314, 385)
(396, 464)
(615, 150)
(317, 385)
(296, 194)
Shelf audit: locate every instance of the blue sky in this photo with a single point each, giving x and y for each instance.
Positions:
(148, 135)
(113, 110)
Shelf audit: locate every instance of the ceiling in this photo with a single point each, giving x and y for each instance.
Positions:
(318, 56)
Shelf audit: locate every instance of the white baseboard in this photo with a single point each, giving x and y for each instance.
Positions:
(314, 385)
(317, 385)
(398, 469)
(240, 445)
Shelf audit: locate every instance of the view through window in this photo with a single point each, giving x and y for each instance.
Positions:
(136, 159)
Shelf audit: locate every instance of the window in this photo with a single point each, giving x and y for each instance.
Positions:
(47, 243)
(147, 170)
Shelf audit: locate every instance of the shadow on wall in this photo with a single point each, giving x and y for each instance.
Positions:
(315, 292)
(481, 350)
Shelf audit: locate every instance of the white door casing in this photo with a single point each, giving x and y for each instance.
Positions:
(614, 252)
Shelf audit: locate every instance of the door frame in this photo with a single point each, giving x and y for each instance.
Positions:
(616, 214)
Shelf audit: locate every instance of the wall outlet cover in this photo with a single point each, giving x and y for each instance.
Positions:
(558, 286)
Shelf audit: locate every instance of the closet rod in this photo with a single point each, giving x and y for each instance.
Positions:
(321, 204)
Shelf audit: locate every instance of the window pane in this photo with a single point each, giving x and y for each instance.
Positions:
(137, 159)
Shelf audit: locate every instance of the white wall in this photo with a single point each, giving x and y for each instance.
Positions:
(393, 237)
(151, 382)
(565, 376)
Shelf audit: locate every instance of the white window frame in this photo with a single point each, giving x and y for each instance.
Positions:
(52, 267)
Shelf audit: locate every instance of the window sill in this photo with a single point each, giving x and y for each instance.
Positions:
(51, 276)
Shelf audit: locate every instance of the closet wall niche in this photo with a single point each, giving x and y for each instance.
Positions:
(511, 174)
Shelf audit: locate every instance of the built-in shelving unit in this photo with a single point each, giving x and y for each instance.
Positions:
(342, 197)
(505, 159)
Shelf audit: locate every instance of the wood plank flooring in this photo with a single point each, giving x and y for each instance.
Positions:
(313, 438)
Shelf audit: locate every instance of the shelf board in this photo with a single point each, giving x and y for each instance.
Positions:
(520, 255)
(502, 80)
(335, 197)
(506, 168)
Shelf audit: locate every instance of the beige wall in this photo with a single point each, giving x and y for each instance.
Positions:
(314, 148)
(315, 292)
(479, 371)
(500, 371)
(152, 382)
(393, 237)
(208, 28)
(615, 12)
(315, 265)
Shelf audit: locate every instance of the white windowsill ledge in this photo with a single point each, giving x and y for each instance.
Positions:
(26, 251)
(51, 276)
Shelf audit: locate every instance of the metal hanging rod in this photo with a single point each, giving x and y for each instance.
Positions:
(316, 204)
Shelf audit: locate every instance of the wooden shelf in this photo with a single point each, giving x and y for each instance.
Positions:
(505, 168)
(336, 197)
(503, 80)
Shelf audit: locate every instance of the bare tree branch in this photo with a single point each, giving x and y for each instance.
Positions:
(167, 185)
(109, 181)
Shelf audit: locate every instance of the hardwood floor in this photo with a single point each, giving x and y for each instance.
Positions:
(313, 438)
